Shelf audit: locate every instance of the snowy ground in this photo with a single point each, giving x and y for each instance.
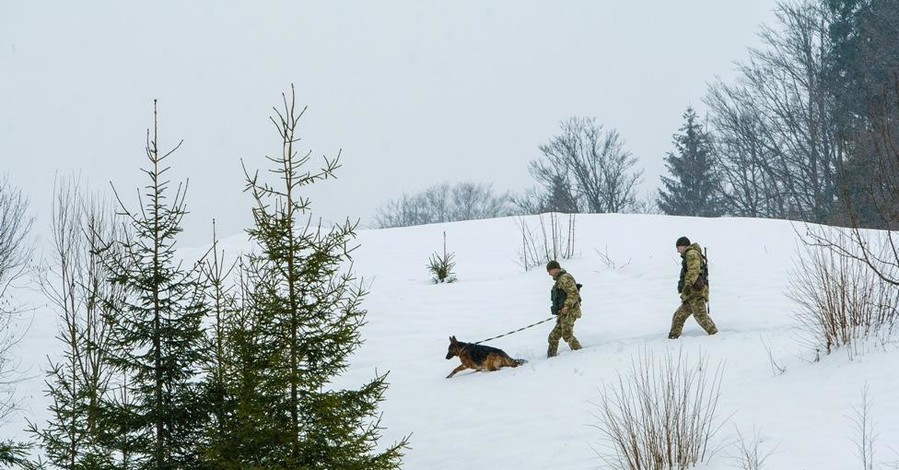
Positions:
(541, 415)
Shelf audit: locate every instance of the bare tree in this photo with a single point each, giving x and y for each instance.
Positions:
(749, 190)
(549, 240)
(445, 203)
(778, 142)
(863, 425)
(75, 282)
(15, 250)
(15, 256)
(403, 212)
(596, 164)
(528, 202)
(557, 197)
(878, 250)
(472, 201)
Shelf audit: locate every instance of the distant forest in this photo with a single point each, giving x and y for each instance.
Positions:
(807, 131)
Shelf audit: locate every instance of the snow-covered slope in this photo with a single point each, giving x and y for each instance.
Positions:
(541, 415)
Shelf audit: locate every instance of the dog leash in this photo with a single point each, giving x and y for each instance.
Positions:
(515, 331)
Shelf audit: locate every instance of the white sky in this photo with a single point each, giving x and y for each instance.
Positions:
(415, 93)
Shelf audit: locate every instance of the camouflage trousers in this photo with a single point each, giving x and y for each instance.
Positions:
(564, 329)
(696, 307)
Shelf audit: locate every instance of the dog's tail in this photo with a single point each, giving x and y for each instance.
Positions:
(520, 361)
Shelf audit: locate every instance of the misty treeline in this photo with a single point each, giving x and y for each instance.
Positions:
(218, 363)
(444, 203)
(585, 168)
(806, 131)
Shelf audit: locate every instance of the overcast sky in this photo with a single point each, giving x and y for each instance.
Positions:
(414, 92)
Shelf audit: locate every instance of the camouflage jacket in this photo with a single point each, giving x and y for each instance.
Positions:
(565, 294)
(693, 282)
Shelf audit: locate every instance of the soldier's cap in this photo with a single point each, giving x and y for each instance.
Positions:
(553, 265)
(682, 241)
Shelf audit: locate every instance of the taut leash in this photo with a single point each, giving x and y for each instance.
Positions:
(515, 331)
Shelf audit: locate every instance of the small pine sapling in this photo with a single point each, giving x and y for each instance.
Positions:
(441, 266)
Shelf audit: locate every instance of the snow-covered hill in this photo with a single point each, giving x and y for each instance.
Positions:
(542, 415)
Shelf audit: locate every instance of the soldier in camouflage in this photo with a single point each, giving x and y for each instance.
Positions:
(693, 288)
(566, 305)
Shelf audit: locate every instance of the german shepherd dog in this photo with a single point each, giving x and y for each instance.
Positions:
(478, 357)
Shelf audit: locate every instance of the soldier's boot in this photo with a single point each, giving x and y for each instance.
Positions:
(677, 321)
(574, 344)
(675, 331)
(552, 351)
(705, 321)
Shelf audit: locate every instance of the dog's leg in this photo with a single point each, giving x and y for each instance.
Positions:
(457, 369)
(496, 363)
(509, 362)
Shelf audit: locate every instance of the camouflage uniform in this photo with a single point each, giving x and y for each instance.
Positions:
(564, 294)
(693, 300)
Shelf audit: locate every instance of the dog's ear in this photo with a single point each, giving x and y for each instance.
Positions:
(452, 339)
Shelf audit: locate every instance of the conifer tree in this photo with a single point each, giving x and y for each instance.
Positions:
(156, 336)
(301, 320)
(225, 312)
(693, 188)
(560, 196)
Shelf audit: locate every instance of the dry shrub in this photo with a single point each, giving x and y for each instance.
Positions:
(660, 414)
(841, 301)
(552, 239)
(749, 454)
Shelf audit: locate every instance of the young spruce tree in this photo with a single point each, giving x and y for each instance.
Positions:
(301, 322)
(226, 317)
(693, 187)
(156, 337)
